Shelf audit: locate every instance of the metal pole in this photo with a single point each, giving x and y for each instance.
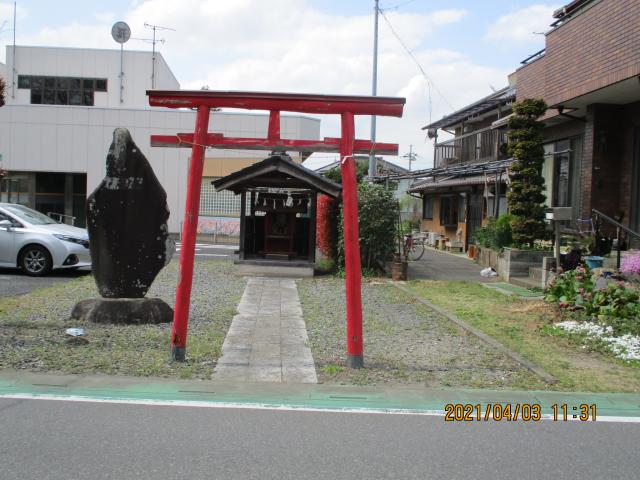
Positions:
(556, 227)
(189, 231)
(153, 60)
(13, 66)
(121, 69)
(355, 357)
(618, 248)
(374, 90)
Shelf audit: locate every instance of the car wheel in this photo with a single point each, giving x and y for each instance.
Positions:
(35, 261)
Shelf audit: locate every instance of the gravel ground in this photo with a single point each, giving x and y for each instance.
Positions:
(32, 328)
(404, 342)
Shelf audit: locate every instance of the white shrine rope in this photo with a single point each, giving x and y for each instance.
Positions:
(342, 159)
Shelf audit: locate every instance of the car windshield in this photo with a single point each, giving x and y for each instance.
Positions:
(29, 216)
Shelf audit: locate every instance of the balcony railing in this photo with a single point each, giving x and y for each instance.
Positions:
(480, 146)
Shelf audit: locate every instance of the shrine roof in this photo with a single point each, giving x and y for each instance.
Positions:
(277, 171)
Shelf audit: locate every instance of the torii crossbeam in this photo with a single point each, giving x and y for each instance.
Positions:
(345, 106)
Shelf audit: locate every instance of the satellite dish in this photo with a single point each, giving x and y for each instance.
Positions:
(120, 32)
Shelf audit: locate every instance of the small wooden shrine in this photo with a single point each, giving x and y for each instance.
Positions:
(277, 210)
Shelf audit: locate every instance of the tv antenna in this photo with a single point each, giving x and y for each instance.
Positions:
(155, 28)
(121, 33)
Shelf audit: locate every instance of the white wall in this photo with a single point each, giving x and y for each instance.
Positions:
(92, 63)
(60, 138)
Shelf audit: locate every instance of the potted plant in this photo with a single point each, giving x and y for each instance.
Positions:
(587, 245)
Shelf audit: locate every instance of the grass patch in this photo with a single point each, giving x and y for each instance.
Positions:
(525, 327)
(32, 329)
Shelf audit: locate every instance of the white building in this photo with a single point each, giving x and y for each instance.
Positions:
(62, 105)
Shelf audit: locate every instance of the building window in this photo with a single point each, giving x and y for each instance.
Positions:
(224, 203)
(427, 207)
(62, 90)
(449, 211)
(462, 208)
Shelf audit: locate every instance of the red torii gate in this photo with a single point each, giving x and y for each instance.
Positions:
(347, 145)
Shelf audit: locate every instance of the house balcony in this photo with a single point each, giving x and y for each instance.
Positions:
(483, 145)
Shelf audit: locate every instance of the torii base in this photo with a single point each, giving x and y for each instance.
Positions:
(355, 361)
(178, 354)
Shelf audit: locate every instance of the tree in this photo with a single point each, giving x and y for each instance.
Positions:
(378, 216)
(526, 200)
(335, 174)
(2, 88)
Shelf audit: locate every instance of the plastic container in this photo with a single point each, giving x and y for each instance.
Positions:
(594, 261)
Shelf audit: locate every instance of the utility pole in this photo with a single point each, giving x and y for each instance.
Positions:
(410, 156)
(374, 89)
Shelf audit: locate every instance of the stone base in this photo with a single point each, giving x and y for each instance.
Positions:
(131, 311)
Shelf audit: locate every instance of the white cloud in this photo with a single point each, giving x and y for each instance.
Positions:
(105, 17)
(6, 13)
(286, 45)
(521, 26)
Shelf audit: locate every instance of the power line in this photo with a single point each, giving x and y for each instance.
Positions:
(400, 5)
(415, 60)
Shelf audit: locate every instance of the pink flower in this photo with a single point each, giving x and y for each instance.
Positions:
(631, 263)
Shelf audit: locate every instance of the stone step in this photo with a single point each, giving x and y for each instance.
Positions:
(525, 282)
(275, 271)
(537, 274)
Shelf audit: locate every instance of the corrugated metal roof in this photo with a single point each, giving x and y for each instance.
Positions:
(435, 184)
(481, 106)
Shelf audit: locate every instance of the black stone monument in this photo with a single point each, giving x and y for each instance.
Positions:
(128, 237)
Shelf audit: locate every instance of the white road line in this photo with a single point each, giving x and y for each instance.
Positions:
(293, 408)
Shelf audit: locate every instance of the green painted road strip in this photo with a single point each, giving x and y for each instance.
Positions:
(404, 400)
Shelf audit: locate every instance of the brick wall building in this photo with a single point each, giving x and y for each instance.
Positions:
(589, 75)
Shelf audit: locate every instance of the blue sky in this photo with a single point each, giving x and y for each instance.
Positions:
(466, 47)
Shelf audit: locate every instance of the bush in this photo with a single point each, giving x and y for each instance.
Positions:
(616, 305)
(378, 211)
(571, 289)
(496, 233)
(326, 225)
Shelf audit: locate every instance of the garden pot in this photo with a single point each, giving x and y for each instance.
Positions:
(594, 261)
(399, 270)
(472, 251)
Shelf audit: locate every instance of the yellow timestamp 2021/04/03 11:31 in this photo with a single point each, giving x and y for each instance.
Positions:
(526, 412)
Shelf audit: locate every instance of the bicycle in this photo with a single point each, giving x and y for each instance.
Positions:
(414, 246)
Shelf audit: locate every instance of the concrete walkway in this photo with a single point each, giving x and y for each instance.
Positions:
(267, 340)
(435, 265)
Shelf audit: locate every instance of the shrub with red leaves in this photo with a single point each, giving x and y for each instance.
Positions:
(326, 226)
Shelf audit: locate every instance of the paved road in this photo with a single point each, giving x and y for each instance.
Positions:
(63, 440)
(207, 251)
(435, 265)
(14, 282)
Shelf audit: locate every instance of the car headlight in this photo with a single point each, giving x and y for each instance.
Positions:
(67, 238)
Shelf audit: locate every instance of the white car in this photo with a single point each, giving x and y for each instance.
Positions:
(37, 244)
